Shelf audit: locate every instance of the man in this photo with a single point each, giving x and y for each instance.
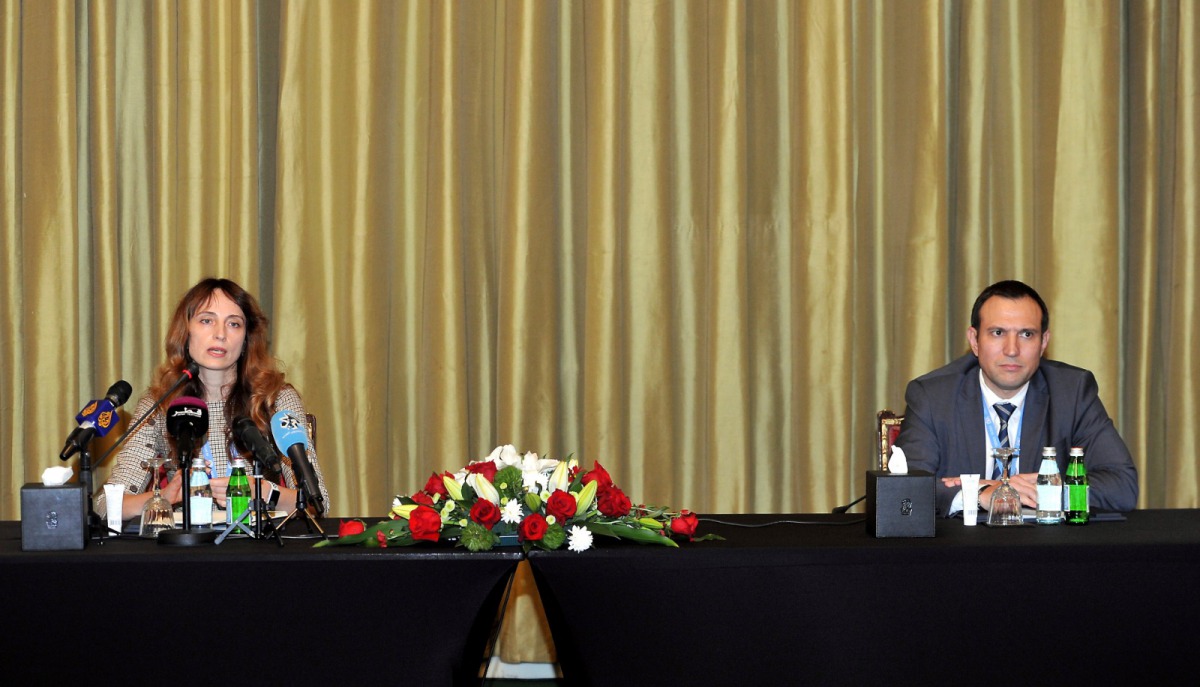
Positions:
(952, 421)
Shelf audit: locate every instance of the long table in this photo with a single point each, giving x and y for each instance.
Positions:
(826, 604)
(247, 612)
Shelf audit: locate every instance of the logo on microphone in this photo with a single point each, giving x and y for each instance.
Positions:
(289, 421)
(190, 411)
(90, 408)
(105, 420)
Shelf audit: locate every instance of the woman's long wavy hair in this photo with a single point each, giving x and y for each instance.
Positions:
(258, 380)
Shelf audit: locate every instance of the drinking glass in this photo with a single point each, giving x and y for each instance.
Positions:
(1005, 509)
(157, 515)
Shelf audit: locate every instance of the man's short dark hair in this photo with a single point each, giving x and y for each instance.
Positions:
(1012, 290)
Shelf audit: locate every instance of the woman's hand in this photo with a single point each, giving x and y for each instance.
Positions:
(173, 492)
(220, 485)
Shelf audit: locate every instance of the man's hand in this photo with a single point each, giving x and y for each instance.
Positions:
(1026, 485)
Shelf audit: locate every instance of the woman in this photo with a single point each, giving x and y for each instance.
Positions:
(220, 327)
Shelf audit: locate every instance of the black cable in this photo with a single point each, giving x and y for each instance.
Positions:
(856, 521)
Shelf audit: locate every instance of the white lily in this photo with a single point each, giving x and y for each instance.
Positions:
(560, 478)
(585, 497)
(453, 487)
(483, 488)
(505, 455)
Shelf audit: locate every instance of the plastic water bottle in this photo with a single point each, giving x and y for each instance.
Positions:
(200, 495)
(1049, 489)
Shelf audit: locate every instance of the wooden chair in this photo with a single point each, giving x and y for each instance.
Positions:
(887, 428)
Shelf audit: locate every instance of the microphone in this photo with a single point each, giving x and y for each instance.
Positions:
(246, 432)
(188, 374)
(287, 429)
(187, 421)
(96, 418)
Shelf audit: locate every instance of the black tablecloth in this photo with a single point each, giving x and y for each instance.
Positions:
(826, 604)
(247, 612)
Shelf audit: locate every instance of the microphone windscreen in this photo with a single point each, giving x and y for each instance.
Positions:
(246, 432)
(287, 429)
(187, 415)
(119, 393)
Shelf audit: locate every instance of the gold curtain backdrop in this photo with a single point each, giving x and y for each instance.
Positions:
(699, 242)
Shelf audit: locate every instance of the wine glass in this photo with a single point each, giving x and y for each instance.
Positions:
(157, 515)
(1005, 509)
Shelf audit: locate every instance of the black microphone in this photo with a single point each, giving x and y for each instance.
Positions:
(245, 431)
(287, 429)
(96, 418)
(187, 421)
(188, 374)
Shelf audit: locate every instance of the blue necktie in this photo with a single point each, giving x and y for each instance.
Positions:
(1005, 411)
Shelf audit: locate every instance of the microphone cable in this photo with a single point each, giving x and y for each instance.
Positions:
(856, 521)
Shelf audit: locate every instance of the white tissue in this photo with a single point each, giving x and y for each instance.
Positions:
(57, 476)
(898, 463)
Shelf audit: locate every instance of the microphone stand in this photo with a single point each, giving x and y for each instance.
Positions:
(94, 530)
(187, 374)
(186, 536)
(300, 512)
(85, 466)
(255, 505)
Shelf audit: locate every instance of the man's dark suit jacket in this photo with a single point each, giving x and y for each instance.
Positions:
(943, 429)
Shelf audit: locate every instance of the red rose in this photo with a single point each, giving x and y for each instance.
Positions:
(533, 527)
(599, 474)
(561, 505)
(345, 529)
(435, 485)
(486, 468)
(685, 524)
(424, 523)
(612, 502)
(421, 498)
(485, 513)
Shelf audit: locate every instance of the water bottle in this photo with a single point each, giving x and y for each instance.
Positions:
(1076, 507)
(200, 495)
(1049, 489)
(237, 493)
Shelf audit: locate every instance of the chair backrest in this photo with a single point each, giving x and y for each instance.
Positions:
(887, 428)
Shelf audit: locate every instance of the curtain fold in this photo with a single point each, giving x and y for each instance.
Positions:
(699, 242)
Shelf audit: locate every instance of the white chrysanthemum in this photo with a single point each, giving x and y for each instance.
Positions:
(580, 539)
(511, 513)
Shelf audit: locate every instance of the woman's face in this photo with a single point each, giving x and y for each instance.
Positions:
(217, 333)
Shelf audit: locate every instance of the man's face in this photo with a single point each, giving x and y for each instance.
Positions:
(1009, 342)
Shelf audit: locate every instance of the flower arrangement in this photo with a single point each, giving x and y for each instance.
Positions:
(527, 499)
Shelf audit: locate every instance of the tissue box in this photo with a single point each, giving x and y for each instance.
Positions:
(53, 518)
(900, 504)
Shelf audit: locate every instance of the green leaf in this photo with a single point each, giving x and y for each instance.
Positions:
(623, 531)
